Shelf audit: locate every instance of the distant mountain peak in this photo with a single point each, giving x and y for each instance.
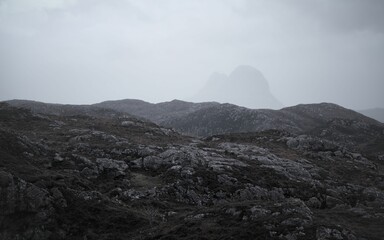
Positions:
(249, 75)
(244, 86)
(218, 75)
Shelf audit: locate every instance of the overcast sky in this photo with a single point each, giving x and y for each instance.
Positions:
(87, 51)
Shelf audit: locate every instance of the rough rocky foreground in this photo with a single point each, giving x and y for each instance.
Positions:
(111, 176)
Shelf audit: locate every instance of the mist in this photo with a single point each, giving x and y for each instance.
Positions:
(88, 51)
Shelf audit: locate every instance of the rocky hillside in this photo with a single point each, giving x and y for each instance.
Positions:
(325, 120)
(76, 176)
(67, 109)
(227, 118)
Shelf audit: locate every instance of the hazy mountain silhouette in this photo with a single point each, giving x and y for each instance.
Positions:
(245, 86)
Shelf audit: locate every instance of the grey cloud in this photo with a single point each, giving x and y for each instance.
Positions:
(343, 15)
(86, 51)
(339, 16)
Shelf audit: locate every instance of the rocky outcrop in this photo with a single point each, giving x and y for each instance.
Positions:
(26, 211)
(81, 177)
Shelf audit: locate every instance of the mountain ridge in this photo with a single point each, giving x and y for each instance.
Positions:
(325, 120)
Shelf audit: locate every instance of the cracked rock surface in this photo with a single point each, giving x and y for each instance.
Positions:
(108, 175)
